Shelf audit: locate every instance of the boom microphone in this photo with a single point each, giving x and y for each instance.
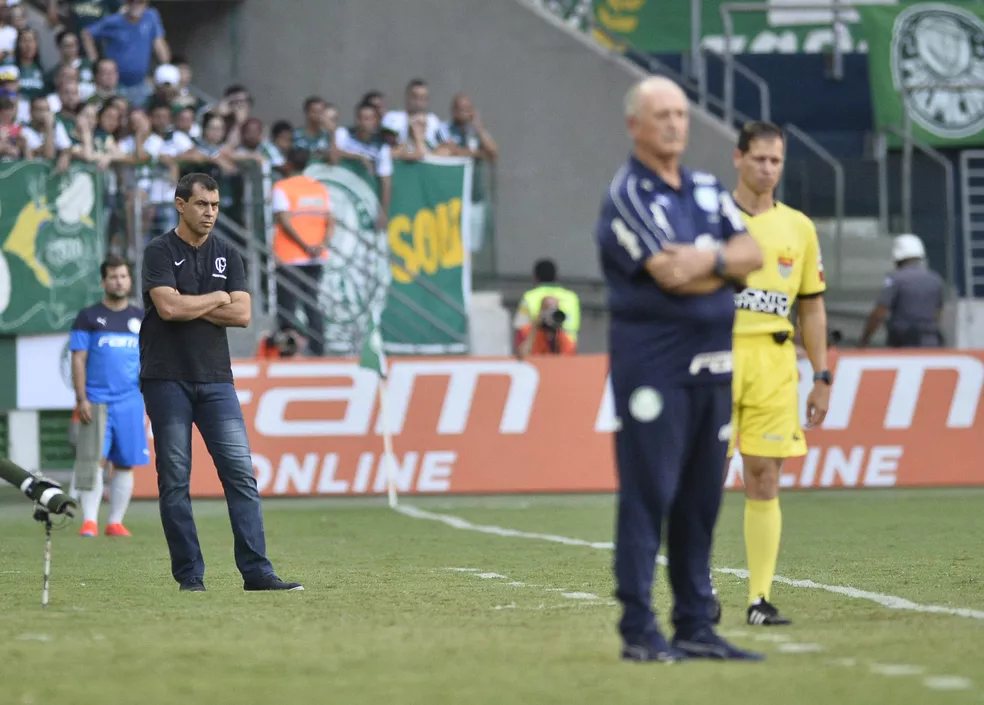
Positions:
(45, 491)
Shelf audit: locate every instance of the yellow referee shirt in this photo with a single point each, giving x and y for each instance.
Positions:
(792, 267)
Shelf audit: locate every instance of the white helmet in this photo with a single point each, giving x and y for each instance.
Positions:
(908, 246)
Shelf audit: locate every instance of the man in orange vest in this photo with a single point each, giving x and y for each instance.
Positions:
(303, 226)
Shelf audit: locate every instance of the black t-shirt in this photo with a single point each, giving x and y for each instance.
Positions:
(187, 351)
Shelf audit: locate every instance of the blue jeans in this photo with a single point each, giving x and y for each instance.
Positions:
(214, 409)
(138, 95)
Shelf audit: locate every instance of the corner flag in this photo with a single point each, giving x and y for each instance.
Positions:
(373, 358)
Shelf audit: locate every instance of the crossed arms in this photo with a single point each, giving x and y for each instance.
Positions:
(219, 307)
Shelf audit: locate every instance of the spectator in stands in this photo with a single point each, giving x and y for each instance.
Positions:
(69, 104)
(361, 141)
(16, 16)
(68, 55)
(105, 136)
(251, 141)
(213, 145)
(471, 139)
(318, 131)
(167, 80)
(155, 149)
(185, 98)
(417, 130)
(236, 104)
(531, 306)
(545, 335)
(184, 121)
(43, 137)
(376, 99)
(76, 15)
(66, 79)
(303, 230)
(280, 142)
(911, 300)
(10, 89)
(106, 78)
(28, 63)
(10, 150)
(8, 34)
(129, 38)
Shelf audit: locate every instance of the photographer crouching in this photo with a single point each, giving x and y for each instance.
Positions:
(282, 344)
(546, 335)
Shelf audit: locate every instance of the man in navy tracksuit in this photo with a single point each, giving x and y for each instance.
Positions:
(673, 248)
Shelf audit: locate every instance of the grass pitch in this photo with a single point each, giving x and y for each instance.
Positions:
(385, 619)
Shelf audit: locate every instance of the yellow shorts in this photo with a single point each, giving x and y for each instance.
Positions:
(765, 404)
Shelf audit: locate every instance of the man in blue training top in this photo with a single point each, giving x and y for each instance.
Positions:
(673, 248)
(105, 344)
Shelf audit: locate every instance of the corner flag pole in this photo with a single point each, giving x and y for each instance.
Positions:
(388, 459)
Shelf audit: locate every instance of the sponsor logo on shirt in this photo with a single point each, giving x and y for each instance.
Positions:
(761, 301)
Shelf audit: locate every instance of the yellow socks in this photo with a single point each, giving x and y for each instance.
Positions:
(763, 527)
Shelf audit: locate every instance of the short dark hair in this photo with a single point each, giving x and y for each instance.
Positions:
(758, 130)
(280, 127)
(234, 88)
(364, 105)
(61, 35)
(157, 104)
(298, 158)
(42, 98)
(103, 60)
(371, 96)
(112, 262)
(7, 104)
(545, 270)
(187, 183)
(313, 100)
(416, 83)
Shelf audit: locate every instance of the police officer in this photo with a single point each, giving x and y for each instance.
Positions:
(673, 250)
(911, 300)
(194, 287)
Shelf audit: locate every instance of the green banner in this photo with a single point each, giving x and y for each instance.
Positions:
(52, 242)
(412, 278)
(664, 26)
(928, 59)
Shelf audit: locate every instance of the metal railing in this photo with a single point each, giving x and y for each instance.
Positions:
(949, 206)
(838, 170)
(727, 21)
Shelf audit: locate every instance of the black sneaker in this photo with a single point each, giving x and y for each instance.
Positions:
(193, 585)
(270, 582)
(648, 651)
(706, 644)
(762, 613)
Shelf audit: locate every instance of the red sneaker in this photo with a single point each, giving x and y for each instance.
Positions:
(116, 530)
(89, 528)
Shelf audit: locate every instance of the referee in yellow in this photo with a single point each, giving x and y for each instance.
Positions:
(765, 417)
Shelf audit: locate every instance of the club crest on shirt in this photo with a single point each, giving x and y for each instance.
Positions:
(785, 266)
(707, 198)
(134, 325)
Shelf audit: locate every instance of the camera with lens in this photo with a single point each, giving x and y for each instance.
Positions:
(287, 342)
(552, 318)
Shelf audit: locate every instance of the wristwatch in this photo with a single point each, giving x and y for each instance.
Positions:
(720, 266)
(823, 376)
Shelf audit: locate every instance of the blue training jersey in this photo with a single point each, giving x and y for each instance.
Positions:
(112, 339)
(675, 337)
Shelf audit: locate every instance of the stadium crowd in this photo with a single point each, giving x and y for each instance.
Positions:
(118, 97)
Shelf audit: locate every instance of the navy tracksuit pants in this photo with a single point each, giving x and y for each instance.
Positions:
(670, 453)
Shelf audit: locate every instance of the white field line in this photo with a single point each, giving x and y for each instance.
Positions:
(889, 601)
